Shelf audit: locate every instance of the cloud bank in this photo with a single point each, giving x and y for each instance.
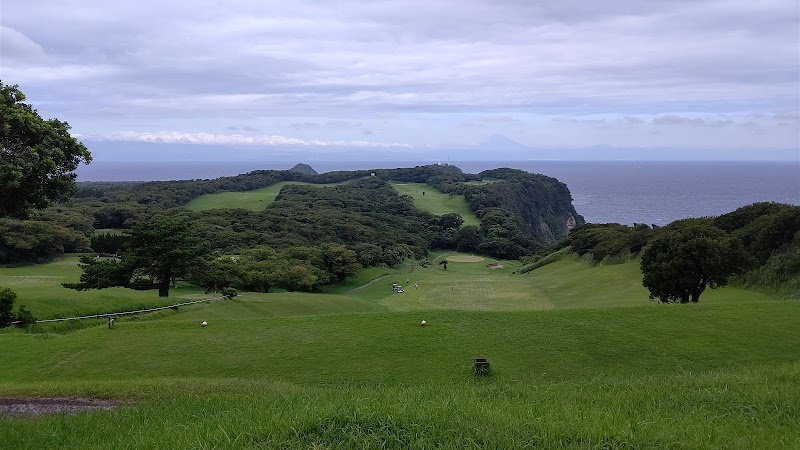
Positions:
(412, 71)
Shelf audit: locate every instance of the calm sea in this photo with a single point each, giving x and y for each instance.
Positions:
(624, 192)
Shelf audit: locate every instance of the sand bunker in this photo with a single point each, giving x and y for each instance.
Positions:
(494, 266)
(464, 258)
(26, 407)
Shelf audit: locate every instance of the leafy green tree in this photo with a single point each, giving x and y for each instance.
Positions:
(681, 262)
(25, 317)
(450, 221)
(37, 157)
(217, 274)
(260, 276)
(298, 278)
(7, 316)
(7, 298)
(467, 238)
(31, 240)
(339, 261)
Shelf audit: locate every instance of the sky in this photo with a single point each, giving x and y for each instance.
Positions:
(517, 79)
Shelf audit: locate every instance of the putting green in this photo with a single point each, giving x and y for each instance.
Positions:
(464, 258)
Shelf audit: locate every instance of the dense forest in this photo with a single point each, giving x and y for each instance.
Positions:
(520, 213)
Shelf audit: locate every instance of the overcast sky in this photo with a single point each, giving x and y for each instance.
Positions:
(700, 77)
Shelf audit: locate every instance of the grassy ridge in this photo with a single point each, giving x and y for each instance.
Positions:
(437, 202)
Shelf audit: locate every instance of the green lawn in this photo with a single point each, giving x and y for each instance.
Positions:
(580, 359)
(437, 202)
(38, 287)
(255, 200)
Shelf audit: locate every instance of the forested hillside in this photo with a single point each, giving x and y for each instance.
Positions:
(520, 213)
(768, 235)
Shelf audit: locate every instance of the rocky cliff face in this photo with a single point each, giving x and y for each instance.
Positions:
(571, 224)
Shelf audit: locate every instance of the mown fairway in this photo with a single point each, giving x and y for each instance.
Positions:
(38, 287)
(433, 201)
(355, 370)
(254, 200)
(437, 202)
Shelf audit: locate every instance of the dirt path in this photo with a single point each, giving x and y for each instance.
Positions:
(27, 407)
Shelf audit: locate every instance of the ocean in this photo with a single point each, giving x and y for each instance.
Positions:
(620, 191)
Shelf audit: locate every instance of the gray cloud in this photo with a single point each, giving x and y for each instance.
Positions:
(305, 125)
(176, 137)
(347, 62)
(692, 121)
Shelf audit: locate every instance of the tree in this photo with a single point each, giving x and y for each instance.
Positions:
(450, 221)
(681, 262)
(298, 278)
(7, 297)
(163, 249)
(37, 157)
(23, 316)
(339, 261)
(158, 252)
(217, 274)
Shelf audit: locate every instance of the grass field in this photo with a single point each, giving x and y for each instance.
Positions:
(437, 202)
(254, 200)
(38, 287)
(433, 201)
(580, 359)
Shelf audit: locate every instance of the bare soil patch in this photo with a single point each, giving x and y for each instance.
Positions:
(464, 258)
(27, 407)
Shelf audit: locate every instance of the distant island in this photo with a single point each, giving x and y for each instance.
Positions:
(303, 168)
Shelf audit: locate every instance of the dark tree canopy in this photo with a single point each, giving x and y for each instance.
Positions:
(38, 157)
(680, 263)
(156, 253)
(7, 297)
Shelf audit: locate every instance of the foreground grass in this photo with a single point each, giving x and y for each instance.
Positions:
(437, 202)
(255, 200)
(580, 359)
(741, 408)
(590, 378)
(391, 347)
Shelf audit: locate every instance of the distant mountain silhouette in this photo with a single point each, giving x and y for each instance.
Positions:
(303, 168)
(500, 142)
